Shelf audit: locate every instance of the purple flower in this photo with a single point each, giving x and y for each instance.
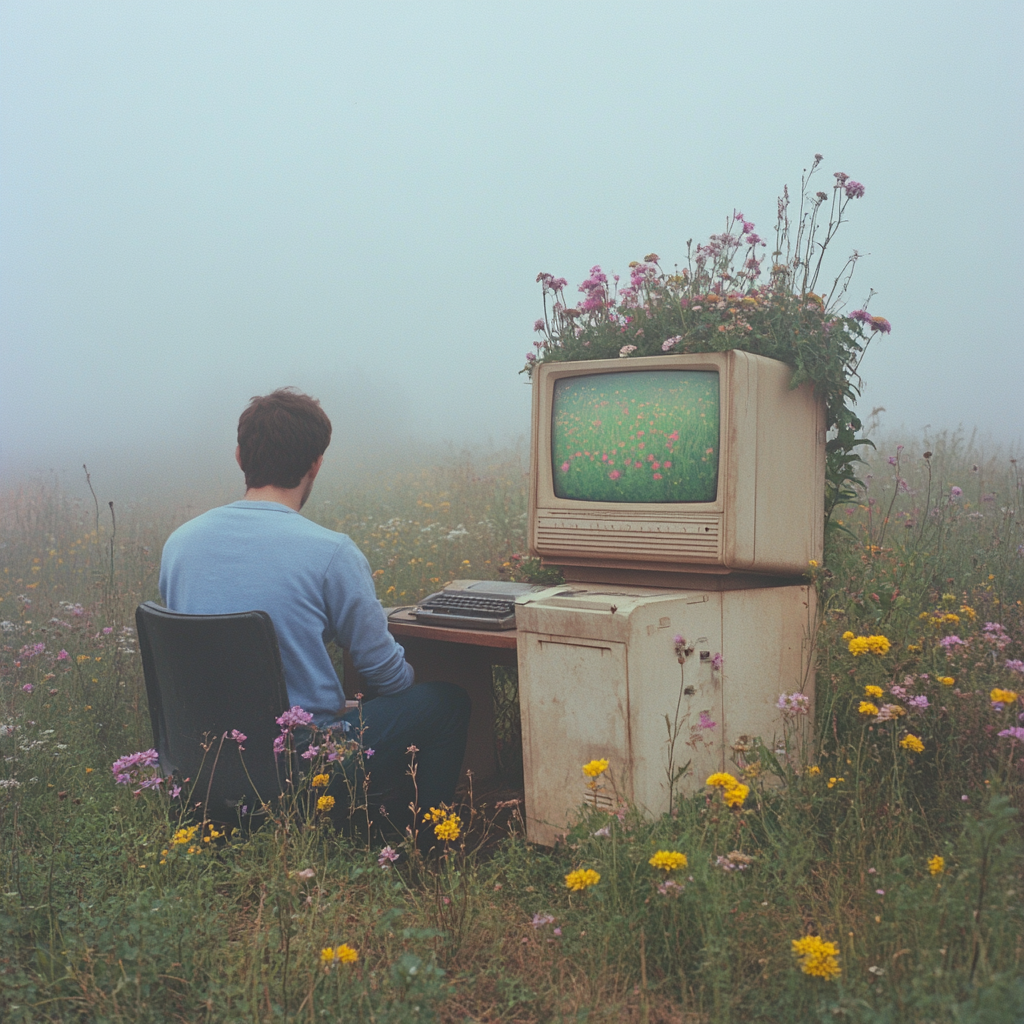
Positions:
(530, 357)
(669, 343)
(1015, 666)
(369, 752)
(295, 717)
(880, 324)
(793, 704)
(387, 857)
(556, 931)
(239, 738)
(892, 460)
(955, 492)
(309, 753)
(716, 662)
(951, 641)
(538, 325)
(881, 892)
(107, 630)
(28, 688)
(919, 703)
(541, 920)
(603, 833)
(126, 768)
(63, 656)
(1015, 732)
(175, 792)
(705, 721)
(854, 190)
(840, 177)
(860, 315)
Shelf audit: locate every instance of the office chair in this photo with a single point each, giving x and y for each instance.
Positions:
(207, 675)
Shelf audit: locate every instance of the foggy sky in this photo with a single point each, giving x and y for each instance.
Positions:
(202, 202)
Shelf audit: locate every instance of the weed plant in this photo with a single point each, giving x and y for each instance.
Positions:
(894, 865)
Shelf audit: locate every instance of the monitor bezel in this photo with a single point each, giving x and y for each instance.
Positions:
(542, 476)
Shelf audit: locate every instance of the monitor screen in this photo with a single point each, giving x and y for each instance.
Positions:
(639, 436)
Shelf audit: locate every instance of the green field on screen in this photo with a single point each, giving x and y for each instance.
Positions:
(641, 437)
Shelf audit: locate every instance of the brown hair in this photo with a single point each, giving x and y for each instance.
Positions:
(280, 436)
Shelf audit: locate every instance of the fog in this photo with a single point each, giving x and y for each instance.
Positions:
(202, 202)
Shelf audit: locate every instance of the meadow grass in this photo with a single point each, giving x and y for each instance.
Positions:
(104, 917)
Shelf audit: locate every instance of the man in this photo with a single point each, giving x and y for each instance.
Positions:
(316, 586)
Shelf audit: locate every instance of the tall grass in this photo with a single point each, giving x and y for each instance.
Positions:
(103, 917)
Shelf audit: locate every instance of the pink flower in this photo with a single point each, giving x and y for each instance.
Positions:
(107, 630)
(63, 656)
(854, 190)
(27, 688)
(657, 476)
(614, 475)
(387, 857)
(565, 467)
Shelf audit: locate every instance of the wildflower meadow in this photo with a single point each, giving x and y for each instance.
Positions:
(871, 873)
(865, 866)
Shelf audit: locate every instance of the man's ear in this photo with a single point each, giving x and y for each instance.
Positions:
(238, 456)
(315, 468)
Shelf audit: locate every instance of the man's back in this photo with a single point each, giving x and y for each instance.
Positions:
(315, 585)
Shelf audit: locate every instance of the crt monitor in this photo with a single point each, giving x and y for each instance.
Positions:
(677, 464)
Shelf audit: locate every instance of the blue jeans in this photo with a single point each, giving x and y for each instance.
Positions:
(434, 718)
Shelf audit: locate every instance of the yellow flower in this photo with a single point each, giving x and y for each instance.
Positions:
(878, 644)
(813, 563)
(914, 648)
(858, 646)
(668, 860)
(324, 804)
(873, 691)
(936, 864)
(912, 742)
(848, 635)
(184, 835)
(735, 795)
(947, 680)
(1003, 696)
(817, 957)
(723, 779)
(949, 598)
(949, 619)
(967, 610)
(812, 769)
(320, 780)
(833, 781)
(595, 768)
(579, 880)
(867, 708)
(327, 955)
(345, 954)
(449, 830)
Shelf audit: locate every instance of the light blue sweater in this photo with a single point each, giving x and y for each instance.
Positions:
(314, 584)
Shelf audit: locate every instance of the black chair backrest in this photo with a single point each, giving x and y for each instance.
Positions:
(207, 675)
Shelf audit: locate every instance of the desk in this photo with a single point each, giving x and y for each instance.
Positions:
(461, 656)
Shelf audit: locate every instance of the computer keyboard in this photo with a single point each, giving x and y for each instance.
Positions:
(473, 604)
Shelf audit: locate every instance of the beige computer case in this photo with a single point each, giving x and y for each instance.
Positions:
(598, 674)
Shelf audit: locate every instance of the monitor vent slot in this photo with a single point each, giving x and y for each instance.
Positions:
(689, 542)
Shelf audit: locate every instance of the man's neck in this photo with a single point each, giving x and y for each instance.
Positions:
(291, 496)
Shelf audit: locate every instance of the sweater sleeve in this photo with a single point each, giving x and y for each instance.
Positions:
(360, 625)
